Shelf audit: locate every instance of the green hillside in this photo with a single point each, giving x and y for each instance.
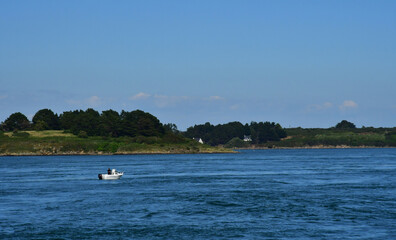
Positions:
(332, 137)
(53, 142)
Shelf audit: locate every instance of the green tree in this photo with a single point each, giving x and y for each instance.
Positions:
(280, 131)
(344, 124)
(90, 121)
(69, 121)
(171, 127)
(79, 120)
(203, 131)
(263, 132)
(110, 123)
(236, 143)
(137, 123)
(16, 121)
(45, 119)
(222, 133)
(40, 125)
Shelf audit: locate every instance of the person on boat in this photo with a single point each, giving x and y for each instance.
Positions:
(108, 171)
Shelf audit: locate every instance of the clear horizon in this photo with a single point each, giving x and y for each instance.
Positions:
(306, 63)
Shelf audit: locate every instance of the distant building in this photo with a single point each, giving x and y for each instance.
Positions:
(247, 138)
(199, 140)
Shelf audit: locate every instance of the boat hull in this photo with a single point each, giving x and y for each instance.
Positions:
(110, 176)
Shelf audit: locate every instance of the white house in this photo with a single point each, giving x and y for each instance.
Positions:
(247, 138)
(199, 140)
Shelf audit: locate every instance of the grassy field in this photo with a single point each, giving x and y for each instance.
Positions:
(59, 143)
(42, 134)
(53, 142)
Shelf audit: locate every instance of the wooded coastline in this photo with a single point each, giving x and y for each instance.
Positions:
(92, 133)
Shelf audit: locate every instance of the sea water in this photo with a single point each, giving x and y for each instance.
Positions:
(261, 194)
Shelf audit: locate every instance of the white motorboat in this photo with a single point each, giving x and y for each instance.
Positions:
(111, 175)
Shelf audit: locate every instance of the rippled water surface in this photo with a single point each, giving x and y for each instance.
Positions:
(262, 194)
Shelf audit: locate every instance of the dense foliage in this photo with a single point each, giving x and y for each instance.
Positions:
(344, 124)
(45, 119)
(16, 121)
(140, 127)
(259, 133)
(354, 137)
(89, 123)
(55, 142)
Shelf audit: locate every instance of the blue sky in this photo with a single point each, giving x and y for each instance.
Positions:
(299, 63)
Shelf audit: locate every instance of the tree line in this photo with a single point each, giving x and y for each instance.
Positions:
(258, 132)
(89, 123)
(138, 123)
(110, 123)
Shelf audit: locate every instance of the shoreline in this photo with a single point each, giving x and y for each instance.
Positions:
(231, 151)
(226, 151)
(313, 147)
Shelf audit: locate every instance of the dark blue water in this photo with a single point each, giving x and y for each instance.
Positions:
(267, 194)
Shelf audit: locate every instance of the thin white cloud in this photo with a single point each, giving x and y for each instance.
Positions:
(91, 101)
(215, 98)
(140, 96)
(319, 107)
(348, 104)
(73, 102)
(3, 97)
(235, 107)
(327, 105)
(165, 101)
